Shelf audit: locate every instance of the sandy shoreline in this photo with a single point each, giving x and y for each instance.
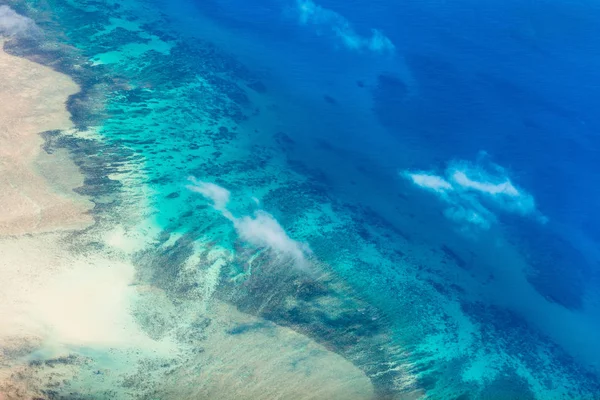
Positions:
(36, 188)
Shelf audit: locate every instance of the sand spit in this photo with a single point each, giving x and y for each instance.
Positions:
(36, 188)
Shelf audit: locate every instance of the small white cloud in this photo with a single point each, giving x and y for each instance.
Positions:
(429, 181)
(13, 24)
(495, 187)
(504, 188)
(219, 195)
(310, 13)
(260, 229)
(474, 193)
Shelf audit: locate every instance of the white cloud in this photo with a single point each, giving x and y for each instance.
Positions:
(503, 188)
(474, 193)
(13, 24)
(260, 229)
(219, 195)
(310, 13)
(493, 186)
(428, 181)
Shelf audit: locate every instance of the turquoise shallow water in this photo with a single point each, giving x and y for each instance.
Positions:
(317, 204)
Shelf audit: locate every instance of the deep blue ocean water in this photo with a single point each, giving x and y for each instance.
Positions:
(512, 80)
(438, 161)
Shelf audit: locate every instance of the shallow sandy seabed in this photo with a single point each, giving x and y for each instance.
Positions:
(78, 322)
(33, 101)
(87, 307)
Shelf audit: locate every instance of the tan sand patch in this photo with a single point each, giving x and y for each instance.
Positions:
(33, 101)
